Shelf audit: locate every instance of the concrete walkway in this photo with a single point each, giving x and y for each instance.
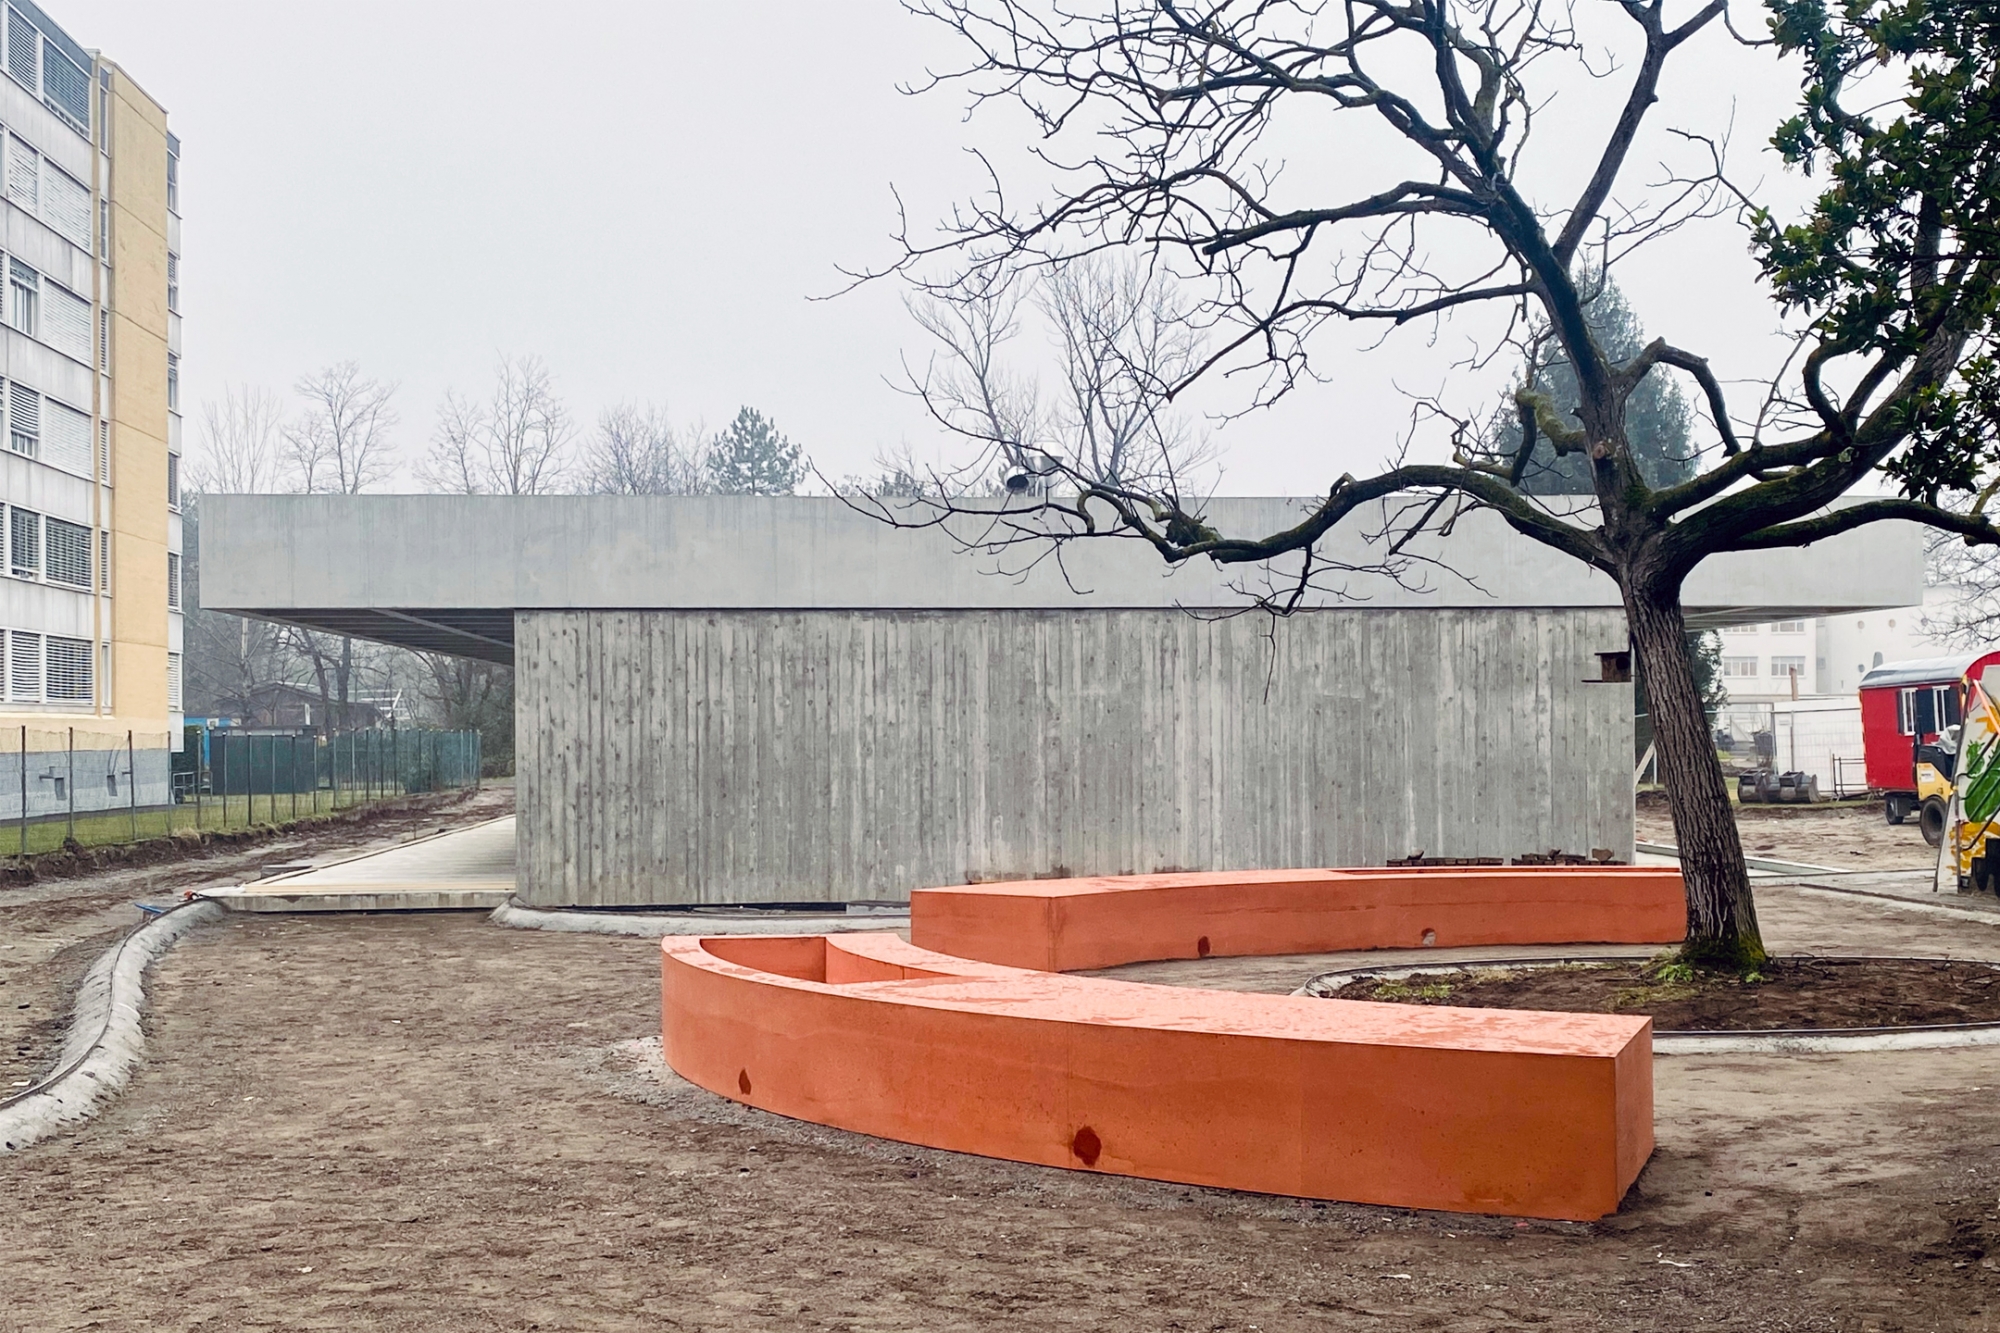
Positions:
(470, 868)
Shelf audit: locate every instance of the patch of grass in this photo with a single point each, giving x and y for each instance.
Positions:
(1413, 991)
(215, 813)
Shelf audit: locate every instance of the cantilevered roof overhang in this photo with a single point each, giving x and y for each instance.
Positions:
(449, 573)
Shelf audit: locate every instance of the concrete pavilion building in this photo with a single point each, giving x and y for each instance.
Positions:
(741, 699)
(89, 381)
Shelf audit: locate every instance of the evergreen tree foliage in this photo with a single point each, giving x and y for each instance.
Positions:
(1657, 417)
(752, 457)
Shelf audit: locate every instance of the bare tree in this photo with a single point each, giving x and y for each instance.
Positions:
(1157, 122)
(237, 451)
(638, 451)
(340, 444)
(972, 392)
(1126, 343)
(230, 661)
(517, 442)
(1121, 341)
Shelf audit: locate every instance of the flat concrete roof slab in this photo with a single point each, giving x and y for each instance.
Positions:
(448, 573)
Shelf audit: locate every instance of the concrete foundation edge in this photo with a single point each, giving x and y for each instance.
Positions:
(654, 925)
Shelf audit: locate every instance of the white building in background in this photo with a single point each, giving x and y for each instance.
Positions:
(1789, 659)
(1762, 663)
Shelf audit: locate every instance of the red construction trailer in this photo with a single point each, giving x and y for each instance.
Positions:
(1907, 704)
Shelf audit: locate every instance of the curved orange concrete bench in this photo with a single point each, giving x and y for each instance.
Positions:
(1063, 925)
(1471, 1110)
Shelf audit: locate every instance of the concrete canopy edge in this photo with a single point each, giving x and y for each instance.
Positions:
(449, 572)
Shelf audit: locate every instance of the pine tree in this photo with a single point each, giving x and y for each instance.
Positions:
(1656, 415)
(753, 458)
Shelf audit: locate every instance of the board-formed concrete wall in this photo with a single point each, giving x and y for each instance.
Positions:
(681, 756)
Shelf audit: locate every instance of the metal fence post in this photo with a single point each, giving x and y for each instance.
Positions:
(69, 828)
(200, 768)
(132, 782)
(24, 790)
(292, 777)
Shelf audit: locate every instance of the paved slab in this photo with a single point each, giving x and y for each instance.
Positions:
(468, 869)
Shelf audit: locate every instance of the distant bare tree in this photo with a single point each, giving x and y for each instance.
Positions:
(970, 391)
(468, 695)
(638, 451)
(1126, 340)
(237, 451)
(1123, 340)
(340, 444)
(518, 442)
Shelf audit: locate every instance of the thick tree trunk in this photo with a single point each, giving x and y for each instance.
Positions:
(1721, 915)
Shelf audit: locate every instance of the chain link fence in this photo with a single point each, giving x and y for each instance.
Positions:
(78, 786)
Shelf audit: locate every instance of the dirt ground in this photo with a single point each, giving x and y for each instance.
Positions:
(52, 930)
(1812, 992)
(430, 1122)
(1840, 837)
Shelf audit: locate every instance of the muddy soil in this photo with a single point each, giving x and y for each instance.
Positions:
(53, 929)
(427, 1122)
(1842, 837)
(1792, 993)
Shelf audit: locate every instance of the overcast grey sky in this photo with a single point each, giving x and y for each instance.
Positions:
(645, 195)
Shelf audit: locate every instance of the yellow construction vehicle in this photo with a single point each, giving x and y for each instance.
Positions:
(1969, 857)
(1935, 763)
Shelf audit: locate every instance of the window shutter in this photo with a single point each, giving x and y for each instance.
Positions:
(66, 206)
(68, 670)
(66, 86)
(23, 50)
(69, 553)
(24, 408)
(24, 435)
(67, 328)
(174, 682)
(24, 667)
(104, 451)
(174, 580)
(104, 341)
(23, 175)
(66, 438)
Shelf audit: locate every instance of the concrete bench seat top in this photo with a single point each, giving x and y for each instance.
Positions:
(1066, 925)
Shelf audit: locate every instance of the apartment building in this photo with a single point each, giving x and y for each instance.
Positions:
(89, 388)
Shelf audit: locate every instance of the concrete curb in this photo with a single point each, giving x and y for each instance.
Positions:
(655, 925)
(105, 1039)
(1781, 1041)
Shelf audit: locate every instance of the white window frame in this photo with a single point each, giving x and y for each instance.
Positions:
(15, 514)
(24, 298)
(48, 548)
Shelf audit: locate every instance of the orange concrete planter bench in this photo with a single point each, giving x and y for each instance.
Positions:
(1064, 925)
(1487, 1111)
